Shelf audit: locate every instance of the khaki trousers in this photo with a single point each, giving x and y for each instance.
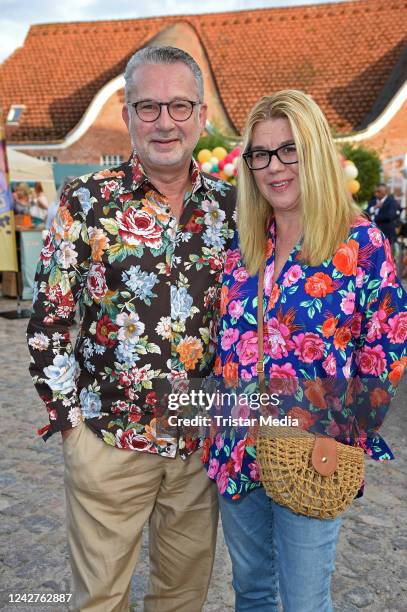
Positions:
(110, 494)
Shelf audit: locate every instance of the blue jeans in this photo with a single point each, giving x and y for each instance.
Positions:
(276, 552)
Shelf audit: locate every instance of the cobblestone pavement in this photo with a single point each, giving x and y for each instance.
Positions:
(371, 566)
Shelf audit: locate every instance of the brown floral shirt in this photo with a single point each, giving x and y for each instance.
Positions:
(148, 292)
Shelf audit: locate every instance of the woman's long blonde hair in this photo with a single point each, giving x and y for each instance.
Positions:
(327, 208)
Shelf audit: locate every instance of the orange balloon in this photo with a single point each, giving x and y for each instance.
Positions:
(353, 186)
(204, 155)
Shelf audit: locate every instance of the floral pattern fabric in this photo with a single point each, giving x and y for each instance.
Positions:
(148, 290)
(344, 321)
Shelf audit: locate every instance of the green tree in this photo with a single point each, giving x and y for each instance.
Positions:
(368, 164)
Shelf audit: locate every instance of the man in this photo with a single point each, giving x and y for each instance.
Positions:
(141, 248)
(384, 210)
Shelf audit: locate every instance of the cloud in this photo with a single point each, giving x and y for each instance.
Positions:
(12, 36)
(14, 24)
(47, 11)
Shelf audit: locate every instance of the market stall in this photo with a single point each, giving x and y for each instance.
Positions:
(27, 169)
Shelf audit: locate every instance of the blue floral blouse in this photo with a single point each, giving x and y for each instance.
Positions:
(342, 321)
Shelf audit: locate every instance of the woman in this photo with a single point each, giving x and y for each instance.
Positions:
(39, 206)
(333, 310)
(21, 199)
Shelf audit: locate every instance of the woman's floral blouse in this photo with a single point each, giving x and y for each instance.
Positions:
(148, 289)
(345, 320)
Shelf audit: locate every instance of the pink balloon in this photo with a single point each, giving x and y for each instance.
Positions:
(221, 164)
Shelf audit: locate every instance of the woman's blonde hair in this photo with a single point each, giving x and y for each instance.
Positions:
(327, 208)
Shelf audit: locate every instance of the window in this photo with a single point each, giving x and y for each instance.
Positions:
(14, 114)
(48, 158)
(111, 160)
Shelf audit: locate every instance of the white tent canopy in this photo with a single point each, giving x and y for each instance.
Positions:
(25, 168)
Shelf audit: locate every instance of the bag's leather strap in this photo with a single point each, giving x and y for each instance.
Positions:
(260, 327)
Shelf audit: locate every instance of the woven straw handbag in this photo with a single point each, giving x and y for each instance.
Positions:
(311, 475)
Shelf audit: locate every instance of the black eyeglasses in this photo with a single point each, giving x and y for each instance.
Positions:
(261, 158)
(150, 110)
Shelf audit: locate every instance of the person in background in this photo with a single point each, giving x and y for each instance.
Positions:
(22, 200)
(334, 312)
(39, 204)
(53, 207)
(384, 210)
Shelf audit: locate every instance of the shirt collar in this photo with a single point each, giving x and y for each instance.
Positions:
(139, 175)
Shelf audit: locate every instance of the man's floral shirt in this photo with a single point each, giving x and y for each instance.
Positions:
(148, 292)
(334, 349)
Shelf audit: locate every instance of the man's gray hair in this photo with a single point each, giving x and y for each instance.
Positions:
(162, 55)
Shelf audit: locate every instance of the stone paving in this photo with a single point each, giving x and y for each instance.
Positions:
(371, 566)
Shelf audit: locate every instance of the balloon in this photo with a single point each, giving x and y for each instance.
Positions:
(236, 161)
(219, 152)
(223, 176)
(221, 164)
(214, 167)
(351, 171)
(236, 151)
(206, 166)
(353, 186)
(228, 159)
(204, 155)
(229, 169)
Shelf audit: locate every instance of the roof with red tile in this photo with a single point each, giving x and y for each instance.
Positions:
(349, 55)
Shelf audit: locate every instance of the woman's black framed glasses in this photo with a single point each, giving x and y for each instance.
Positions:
(258, 159)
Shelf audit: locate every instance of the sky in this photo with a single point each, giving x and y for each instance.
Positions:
(16, 16)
